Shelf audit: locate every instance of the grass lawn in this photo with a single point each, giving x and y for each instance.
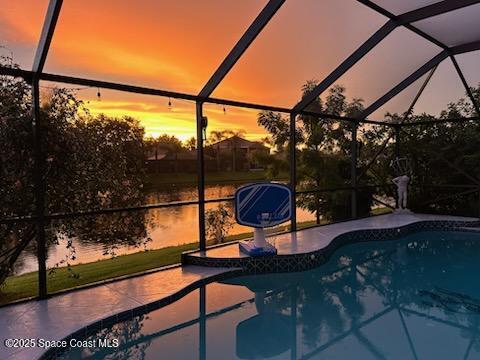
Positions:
(25, 285)
(155, 181)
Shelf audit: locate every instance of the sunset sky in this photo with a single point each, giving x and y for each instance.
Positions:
(177, 45)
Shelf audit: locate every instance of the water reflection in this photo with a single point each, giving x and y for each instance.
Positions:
(162, 229)
(366, 303)
(271, 326)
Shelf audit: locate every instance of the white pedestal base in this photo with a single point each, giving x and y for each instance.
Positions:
(248, 247)
(402, 212)
(258, 246)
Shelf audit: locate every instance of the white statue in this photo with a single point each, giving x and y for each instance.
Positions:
(402, 187)
(403, 170)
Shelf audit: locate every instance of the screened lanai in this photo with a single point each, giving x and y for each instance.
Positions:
(220, 64)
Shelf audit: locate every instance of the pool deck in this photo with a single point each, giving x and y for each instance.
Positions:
(312, 239)
(62, 315)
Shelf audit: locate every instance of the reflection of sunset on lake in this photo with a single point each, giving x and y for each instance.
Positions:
(163, 227)
(177, 45)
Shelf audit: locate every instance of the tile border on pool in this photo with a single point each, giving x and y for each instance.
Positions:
(312, 259)
(262, 265)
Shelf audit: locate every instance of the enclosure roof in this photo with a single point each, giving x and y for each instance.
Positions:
(383, 51)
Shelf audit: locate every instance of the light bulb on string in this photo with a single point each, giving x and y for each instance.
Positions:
(99, 96)
(224, 110)
(169, 104)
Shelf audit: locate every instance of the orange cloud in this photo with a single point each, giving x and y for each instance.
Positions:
(177, 45)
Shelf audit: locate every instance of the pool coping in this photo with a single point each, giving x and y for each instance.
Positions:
(92, 285)
(53, 353)
(235, 267)
(308, 260)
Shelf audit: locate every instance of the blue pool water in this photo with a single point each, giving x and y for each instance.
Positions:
(415, 298)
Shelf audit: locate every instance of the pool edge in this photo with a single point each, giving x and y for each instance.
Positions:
(263, 265)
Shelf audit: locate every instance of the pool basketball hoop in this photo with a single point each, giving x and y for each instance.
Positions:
(260, 206)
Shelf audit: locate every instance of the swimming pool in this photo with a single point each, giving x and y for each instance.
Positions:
(414, 298)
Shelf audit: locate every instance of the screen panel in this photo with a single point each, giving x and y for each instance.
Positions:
(385, 66)
(443, 89)
(399, 104)
(306, 40)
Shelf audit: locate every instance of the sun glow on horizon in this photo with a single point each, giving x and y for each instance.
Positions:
(178, 119)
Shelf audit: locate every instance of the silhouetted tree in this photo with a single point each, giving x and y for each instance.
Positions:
(90, 162)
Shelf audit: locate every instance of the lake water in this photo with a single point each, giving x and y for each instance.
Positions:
(166, 227)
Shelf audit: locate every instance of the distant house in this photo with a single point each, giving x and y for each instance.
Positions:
(164, 161)
(233, 154)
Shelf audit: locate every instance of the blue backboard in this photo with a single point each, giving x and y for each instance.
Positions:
(263, 204)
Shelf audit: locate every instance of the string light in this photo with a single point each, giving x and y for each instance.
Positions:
(224, 110)
(169, 104)
(99, 96)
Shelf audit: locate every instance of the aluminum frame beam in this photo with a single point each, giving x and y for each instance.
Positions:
(441, 121)
(425, 12)
(435, 9)
(39, 191)
(51, 18)
(464, 48)
(200, 176)
(41, 53)
(293, 171)
(419, 93)
(353, 170)
(27, 75)
(241, 46)
(465, 84)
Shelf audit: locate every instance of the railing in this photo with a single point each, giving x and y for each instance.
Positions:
(458, 191)
(56, 216)
(48, 217)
